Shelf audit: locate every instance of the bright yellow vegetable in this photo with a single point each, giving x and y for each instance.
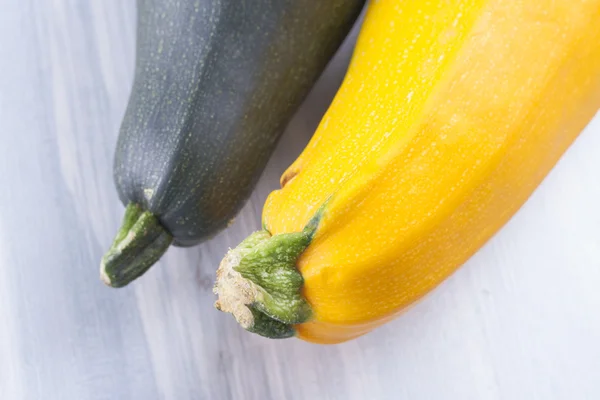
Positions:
(450, 115)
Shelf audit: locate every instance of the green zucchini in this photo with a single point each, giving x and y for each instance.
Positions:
(216, 82)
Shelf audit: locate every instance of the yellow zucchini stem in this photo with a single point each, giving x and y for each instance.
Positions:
(259, 284)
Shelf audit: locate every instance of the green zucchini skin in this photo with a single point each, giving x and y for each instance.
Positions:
(216, 82)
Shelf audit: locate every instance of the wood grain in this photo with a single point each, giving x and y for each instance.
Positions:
(519, 321)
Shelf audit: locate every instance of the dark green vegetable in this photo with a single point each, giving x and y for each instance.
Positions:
(216, 82)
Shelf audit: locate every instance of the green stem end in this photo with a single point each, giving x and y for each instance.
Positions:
(140, 243)
(259, 284)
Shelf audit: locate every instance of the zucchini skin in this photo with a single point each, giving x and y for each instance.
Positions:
(216, 82)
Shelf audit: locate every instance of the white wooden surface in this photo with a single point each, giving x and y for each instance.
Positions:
(520, 321)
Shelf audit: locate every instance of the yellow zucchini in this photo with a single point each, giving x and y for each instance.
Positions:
(449, 117)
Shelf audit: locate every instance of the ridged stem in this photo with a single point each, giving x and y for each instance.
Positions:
(259, 284)
(140, 243)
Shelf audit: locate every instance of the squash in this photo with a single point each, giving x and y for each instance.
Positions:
(450, 115)
(216, 82)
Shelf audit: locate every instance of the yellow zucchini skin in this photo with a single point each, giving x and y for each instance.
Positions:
(449, 117)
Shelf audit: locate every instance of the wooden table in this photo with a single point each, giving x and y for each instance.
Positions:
(520, 321)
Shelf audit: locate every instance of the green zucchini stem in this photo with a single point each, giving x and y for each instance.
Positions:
(140, 243)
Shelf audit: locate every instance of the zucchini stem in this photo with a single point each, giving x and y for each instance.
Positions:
(259, 284)
(140, 243)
